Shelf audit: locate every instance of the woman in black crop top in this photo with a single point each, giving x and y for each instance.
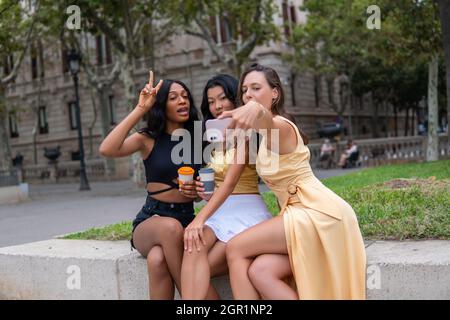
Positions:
(168, 106)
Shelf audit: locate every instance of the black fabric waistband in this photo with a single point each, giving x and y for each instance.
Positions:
(169, 205)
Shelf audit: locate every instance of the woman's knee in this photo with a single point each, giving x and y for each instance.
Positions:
(156, 260)
(173, 229)
(233, 250)
(258, 271)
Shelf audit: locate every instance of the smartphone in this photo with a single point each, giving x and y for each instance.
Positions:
(215, 129)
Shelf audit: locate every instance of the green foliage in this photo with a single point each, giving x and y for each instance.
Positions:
(13, 26)
(390, 62)
(250, 23)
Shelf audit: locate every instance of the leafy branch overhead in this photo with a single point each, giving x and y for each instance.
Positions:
(246, 24)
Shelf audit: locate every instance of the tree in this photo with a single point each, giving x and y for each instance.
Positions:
(16, 30)
(444, 14)
(336, 41)
(99, 84)
(232, 29)
(414, 30)
(125, 23)
(332, 45)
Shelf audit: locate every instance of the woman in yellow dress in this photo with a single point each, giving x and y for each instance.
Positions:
(315, 240)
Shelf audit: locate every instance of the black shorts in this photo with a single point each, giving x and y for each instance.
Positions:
(183, 212)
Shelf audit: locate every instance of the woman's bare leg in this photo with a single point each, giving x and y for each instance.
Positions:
(266, 237)
(167, 233)
(217, 259)
(218, 265)
(195, 270)
(267, 273)
(161, 284)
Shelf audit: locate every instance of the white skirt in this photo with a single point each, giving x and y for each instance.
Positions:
(238, 213)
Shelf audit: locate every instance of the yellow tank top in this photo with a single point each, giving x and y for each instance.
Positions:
(248, 182)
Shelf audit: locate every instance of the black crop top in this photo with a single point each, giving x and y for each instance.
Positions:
(159, 166)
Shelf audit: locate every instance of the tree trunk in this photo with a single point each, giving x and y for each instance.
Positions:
(386, 116)
(433, 140)
(317, 84)
(151, 50)
(5, 147)
(406, 121)
(92, 125)
(34, 134)
(350, 102)
(395, 121)
(105, 117)
(127, 63)
(444, 13)
(374, 107)
(293, 96)
(359, 103)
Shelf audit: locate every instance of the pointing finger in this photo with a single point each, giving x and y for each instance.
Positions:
(225, 114)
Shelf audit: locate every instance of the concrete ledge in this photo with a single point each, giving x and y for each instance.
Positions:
(14, 194)
(80, 269)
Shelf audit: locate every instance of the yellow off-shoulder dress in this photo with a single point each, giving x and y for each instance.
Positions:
(325, 246)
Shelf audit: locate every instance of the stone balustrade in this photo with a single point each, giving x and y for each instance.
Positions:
(374, 152)
(63, 171)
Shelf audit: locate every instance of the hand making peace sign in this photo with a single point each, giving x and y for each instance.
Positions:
(147, 97)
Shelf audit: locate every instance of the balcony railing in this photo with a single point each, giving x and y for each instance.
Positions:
(374, 152)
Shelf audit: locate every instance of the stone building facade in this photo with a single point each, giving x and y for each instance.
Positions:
(42, 97)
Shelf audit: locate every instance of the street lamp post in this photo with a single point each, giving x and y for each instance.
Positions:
(74, 59)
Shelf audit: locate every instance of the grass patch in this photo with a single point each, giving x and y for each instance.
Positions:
(403, 209)
(396, 202)
(118, 231)
(369, 176)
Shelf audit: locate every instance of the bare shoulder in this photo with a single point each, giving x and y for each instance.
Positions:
(288, 135)
(286, 129)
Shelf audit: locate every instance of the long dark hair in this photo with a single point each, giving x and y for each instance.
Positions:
(274, 81)
(156, 117)
(228, 83)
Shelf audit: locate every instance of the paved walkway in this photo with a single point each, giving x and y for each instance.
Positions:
(61, 208)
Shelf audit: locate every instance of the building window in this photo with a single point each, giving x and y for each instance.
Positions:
(112, 111)
(103, 50)
(37, 61)
(293, 15)
(289, 18)
(220, 29)
(43, 124)
(8, 65)
(13, 128)
(72, 116)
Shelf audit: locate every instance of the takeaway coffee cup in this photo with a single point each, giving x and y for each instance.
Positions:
(185, 174)
(207, 177)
